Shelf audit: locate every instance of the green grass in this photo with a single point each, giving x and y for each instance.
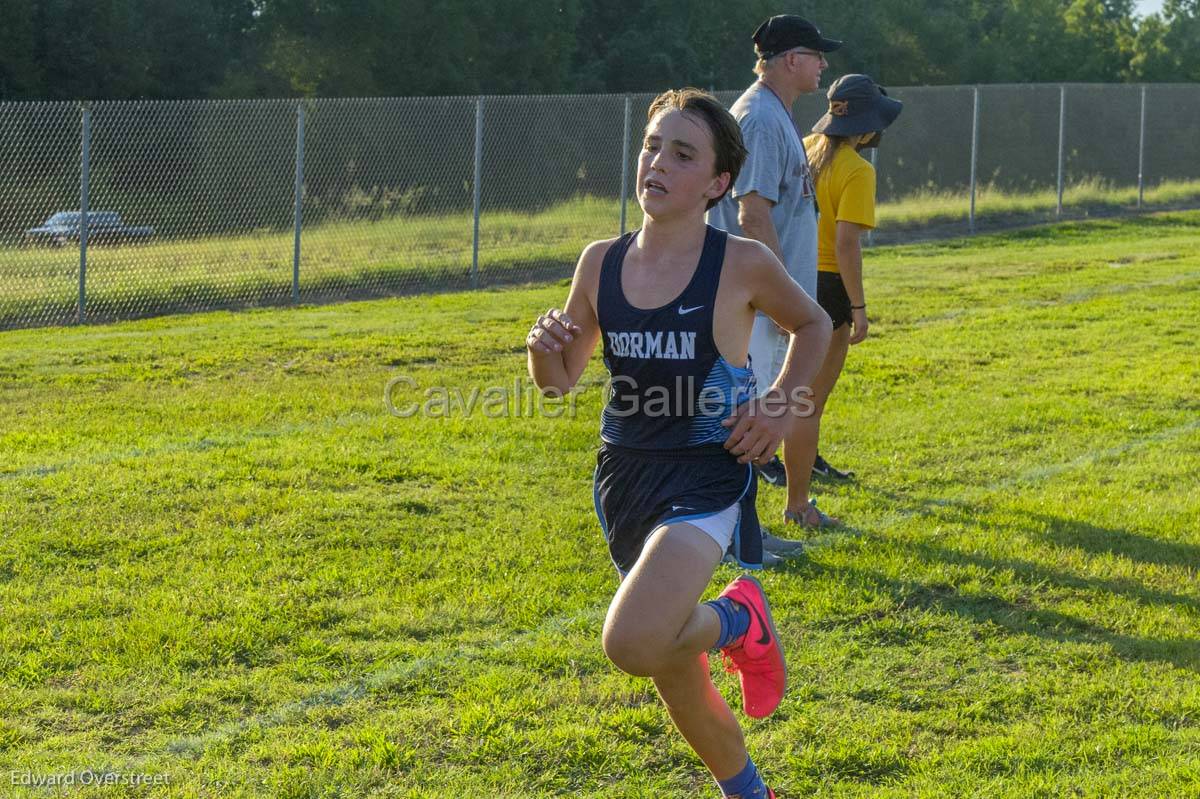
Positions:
(423, 253)
(224, 562)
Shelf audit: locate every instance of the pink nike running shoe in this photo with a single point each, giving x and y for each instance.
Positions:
(757, 656)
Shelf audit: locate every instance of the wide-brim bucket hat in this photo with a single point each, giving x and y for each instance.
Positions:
(857, 105)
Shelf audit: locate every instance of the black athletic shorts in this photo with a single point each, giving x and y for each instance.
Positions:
(832, 296)
(637, 490)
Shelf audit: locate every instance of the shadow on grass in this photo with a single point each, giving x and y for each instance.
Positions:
(41, 313)
(1023, 616)
(1105, 540)
(399, 281)
(193, 296)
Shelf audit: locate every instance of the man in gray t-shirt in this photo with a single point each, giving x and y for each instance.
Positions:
(775, 180)
(773, 199)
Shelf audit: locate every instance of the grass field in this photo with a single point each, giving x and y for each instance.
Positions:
(426, 253)
(225, 563)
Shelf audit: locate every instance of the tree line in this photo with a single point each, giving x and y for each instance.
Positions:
(169, 49)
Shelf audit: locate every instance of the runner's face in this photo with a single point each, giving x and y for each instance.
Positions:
(676, 167)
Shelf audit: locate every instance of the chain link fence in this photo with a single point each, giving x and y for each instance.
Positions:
(227, 204)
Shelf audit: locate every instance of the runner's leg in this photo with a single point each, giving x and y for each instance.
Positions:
(656, 628)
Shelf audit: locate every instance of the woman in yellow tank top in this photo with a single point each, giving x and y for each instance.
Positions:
(859, 111)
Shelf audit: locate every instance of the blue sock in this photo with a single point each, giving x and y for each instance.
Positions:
(735, 620)
(746, 785)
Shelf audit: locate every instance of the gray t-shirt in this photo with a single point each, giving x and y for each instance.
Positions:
(777, 169)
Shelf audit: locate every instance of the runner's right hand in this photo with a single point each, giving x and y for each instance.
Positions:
(552, 331)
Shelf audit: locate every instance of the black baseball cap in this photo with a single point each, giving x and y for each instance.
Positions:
(857, 105)
(785, 31)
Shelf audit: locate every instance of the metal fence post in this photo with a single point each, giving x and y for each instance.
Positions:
(85, 166)
(1062, 116)
(974, 157)
(299, 201)
(1142, 150)
(874, 165)
(478, 175)
(625, 165)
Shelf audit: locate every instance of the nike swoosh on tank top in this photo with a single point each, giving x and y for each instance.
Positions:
(671, 387)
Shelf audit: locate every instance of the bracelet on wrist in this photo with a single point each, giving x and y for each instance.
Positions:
(862, 307)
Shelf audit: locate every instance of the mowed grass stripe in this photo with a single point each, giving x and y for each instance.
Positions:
(246, 612)
(1049, 287)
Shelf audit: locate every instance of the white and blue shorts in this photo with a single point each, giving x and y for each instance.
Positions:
(637, 491)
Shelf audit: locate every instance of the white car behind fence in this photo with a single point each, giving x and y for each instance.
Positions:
(104, 227)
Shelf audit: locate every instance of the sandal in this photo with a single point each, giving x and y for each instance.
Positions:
(811, 518)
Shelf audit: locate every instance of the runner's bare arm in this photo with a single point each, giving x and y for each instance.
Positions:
(773, 292)
(759, 425)
(561, 342)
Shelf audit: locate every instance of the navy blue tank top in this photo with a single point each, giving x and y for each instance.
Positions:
(671, 388)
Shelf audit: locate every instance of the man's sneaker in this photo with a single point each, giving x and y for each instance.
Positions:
(769, 560)
(772, 472)
(783, 547)
(823, 470)
(757, 656)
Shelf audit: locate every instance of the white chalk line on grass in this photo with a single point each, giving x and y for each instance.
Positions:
(1074, 298)
(1041, 473)
(1084, 295)
(374, 682)
(193, 746)
(214, 442)
(201, 444)
(1089, 458)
